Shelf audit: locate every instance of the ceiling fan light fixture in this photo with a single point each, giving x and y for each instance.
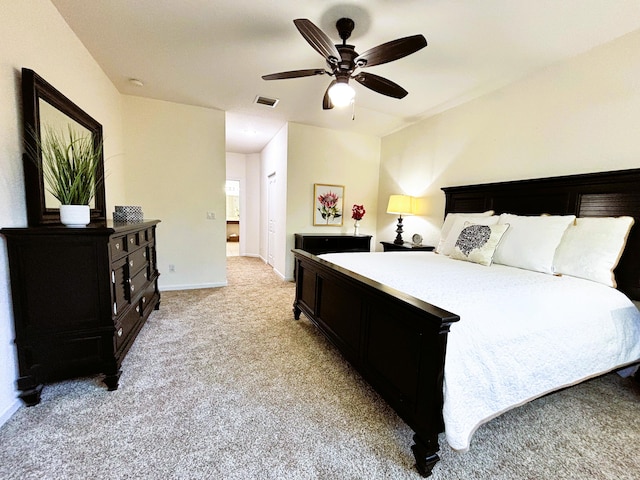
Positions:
(341, 94)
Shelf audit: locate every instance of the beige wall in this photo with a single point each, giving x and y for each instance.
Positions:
(320, 155)
(35, 36)
(176, 172)
(577, 117)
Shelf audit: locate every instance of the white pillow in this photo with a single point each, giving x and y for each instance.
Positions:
(446, 247)
(477, 243)
(592, 247)
(531, 242)
(450, 220)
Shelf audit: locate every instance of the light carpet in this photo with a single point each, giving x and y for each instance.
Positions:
(223, 384)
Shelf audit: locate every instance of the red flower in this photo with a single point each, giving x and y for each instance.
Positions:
(357, 212)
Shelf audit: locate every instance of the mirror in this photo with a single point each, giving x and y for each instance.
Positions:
(232, 189)
(43, 105)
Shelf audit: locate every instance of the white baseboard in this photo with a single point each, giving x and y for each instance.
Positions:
(168, 288)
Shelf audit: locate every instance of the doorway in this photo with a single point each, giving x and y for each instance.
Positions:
(232, 190)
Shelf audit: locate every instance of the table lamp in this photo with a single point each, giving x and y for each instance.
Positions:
(400, 205)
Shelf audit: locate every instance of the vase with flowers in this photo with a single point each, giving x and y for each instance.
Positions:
(357, 212)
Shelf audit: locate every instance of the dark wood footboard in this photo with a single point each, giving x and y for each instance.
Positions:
(395, 341)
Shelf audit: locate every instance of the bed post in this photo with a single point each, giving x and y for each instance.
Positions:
(425, 451)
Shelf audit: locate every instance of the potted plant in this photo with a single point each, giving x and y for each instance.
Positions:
(70, 166)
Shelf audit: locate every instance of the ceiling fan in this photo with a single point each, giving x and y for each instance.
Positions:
(344, 61)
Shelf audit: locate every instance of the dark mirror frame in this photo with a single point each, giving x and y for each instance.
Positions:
(35, 88)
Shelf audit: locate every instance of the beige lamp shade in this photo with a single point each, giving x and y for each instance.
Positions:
(400, 204)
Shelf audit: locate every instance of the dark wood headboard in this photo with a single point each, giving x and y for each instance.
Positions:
(607, 194)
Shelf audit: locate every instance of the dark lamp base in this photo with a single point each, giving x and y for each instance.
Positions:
(399, 230)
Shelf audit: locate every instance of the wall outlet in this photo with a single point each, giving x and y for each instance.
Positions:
(211, 215)
(172, 268)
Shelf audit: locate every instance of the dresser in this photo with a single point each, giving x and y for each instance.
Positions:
(80, 297)
(318, 243)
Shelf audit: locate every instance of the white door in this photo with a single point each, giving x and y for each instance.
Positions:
(271, 238)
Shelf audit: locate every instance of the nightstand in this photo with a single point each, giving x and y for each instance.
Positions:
(405, 247)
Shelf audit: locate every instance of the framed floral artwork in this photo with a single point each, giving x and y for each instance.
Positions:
(328, 204)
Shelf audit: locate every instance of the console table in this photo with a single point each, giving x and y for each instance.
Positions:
(318, 243)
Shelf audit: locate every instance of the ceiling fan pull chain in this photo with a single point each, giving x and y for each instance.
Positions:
(353, 110)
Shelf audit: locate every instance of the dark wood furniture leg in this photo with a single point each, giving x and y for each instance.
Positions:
(111, 380)
(30, 390)
(425, 452)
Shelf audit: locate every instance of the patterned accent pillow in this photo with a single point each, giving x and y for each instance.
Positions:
(449, 220)
(478, 243)
(446, 247)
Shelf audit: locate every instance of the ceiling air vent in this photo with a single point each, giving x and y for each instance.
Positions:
(269, 102)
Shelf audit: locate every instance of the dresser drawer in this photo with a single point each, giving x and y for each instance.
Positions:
(321, 244)
(118, 247)
(125, 325)
(138, 260)
(147, 234)
(138, 283)
(146, 301)
(133, 240)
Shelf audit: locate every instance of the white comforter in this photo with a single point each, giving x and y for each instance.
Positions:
(521, 334)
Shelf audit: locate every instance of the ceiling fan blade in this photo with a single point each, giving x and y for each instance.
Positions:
(327, 104)
(390, 51)
(381, 85)
(318, 40)
(294, 74)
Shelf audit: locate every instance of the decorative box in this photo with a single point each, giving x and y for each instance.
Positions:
(128, 213)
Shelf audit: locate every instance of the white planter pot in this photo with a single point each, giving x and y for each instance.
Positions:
(75, 215)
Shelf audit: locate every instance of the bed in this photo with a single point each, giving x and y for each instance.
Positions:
(395, 330)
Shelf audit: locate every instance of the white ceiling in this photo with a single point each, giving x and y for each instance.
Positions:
(212, 53)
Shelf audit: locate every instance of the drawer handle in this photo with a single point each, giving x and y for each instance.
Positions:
(120, 332)
(113, 277)
(138, 308)
(131, 263)
(131, 240)
(144, 254)
(144, 299)
(115, 308)
(117, 246)
(145, 275)
(133, 287)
